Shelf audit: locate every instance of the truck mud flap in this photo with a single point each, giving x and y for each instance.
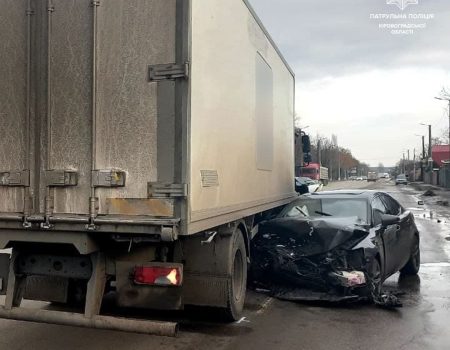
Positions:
(169, 329)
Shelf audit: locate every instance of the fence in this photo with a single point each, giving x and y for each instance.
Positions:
(444, 176)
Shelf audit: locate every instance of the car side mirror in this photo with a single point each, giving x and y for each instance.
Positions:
(387, 220)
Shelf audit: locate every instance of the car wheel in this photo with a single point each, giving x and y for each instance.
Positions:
(413, 265)
(376, 277)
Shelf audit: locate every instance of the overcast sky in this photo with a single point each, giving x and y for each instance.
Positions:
(361, 82)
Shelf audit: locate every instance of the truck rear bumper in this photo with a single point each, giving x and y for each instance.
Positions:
(15, 287)
(101, 322)
(157, 229)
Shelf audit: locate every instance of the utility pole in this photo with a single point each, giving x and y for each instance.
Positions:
(408, 165)
(422, 159)
(330, 171)
(414, 167)
(423, 147)
(422, 177)
(429, 141)
(339, 164)
(429, 159)
(404, 163)
(319, 152)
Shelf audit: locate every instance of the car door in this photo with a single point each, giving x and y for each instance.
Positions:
(389, 236)
(405, 234)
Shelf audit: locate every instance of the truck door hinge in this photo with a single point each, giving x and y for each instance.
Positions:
(16, 178)
(160, 72)
(108, 178)
(167, 190)
(61, 178)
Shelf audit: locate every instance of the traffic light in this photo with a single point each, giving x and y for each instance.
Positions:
(306, 144)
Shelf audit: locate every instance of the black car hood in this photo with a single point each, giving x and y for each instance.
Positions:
(308, 237)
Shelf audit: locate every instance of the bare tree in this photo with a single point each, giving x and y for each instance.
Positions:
(330, 153)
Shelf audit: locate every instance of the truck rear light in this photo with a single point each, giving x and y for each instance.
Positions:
(158, 275)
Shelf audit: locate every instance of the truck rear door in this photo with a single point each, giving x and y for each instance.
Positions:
(14, 106)
(80, 107)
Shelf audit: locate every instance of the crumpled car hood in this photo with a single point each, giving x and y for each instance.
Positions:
(306, 237)
(302, 259)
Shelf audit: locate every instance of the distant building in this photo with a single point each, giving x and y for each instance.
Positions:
(439, 154)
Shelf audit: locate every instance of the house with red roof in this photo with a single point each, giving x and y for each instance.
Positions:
(440, 153)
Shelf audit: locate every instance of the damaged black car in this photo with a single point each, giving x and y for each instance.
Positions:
(336, 246)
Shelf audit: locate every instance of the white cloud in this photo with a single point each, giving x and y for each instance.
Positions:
(375, 113)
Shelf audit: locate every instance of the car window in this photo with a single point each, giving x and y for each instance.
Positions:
(377, 208)
(392, 205)
(296, 210)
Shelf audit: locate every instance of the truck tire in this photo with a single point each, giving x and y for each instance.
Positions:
(237, 265)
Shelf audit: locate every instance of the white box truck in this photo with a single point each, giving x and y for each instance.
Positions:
(141, 142)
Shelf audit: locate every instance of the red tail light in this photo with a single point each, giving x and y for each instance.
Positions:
(159, 275)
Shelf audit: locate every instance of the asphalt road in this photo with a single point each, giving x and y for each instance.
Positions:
(422, 323)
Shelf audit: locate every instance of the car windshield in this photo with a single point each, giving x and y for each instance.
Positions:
(401, 177)
(328, 207)
(309, 171)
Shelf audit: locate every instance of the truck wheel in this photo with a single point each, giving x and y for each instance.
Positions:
(238, 281)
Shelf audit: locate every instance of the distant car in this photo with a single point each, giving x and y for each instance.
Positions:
(306, 185)
(372, 176)
(364, 178)
(337, 245)
(359, 178)
(401, 180)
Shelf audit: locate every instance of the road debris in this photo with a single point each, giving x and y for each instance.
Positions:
(387, 300)
(429, 193)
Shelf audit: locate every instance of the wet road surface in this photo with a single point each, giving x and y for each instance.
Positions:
(422, 323)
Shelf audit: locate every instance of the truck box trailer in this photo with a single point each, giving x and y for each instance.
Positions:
(141, 142)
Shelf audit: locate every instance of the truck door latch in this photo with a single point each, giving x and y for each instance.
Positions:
(61, 178)
(16, 178)
(108, 178)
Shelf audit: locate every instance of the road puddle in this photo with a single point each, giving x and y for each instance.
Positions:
(415, 209)
(437, 264)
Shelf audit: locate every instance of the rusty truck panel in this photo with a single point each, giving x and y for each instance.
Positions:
(87, 112)
(14, 107)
